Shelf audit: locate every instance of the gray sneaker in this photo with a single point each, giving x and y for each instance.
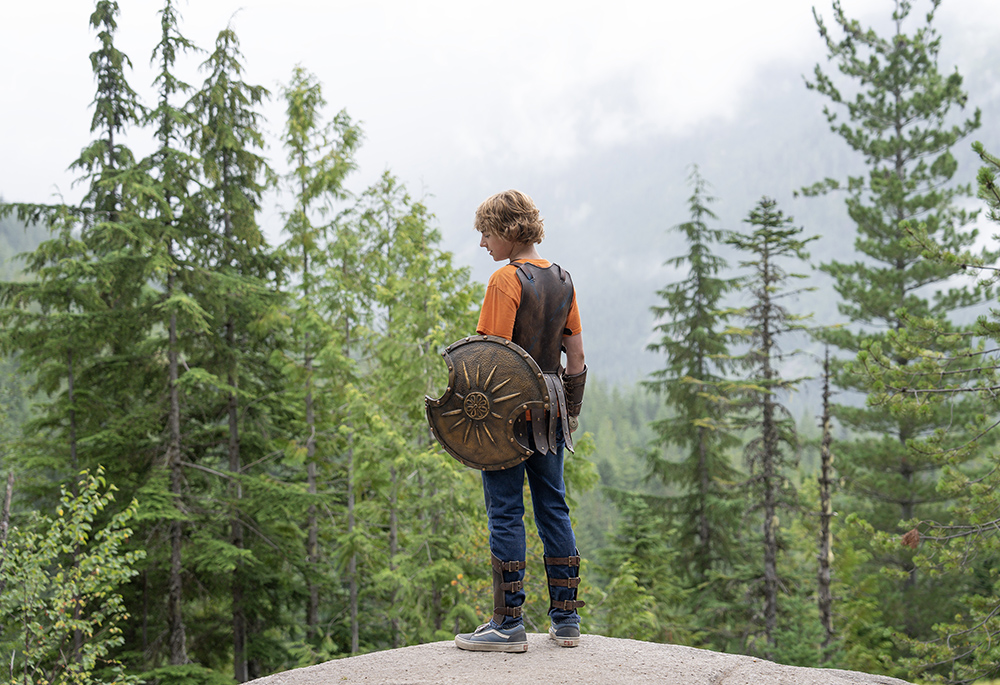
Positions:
(566, 634)
(486, 638)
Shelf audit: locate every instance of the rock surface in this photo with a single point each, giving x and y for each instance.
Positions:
(598, 660)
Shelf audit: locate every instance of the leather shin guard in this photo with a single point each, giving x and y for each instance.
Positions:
(501, 588)
(573, 582)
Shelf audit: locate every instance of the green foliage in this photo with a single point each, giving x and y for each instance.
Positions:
(696, 342)
(987, 179)
(617, 420)
(771, 442)
(958, 551)
(59, 589)
(799, 634)
(188, 674)
(901, 120)
(906, 142)
(642, 599)
(407, 301)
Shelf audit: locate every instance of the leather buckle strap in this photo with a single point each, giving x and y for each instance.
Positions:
(568, 605)
(562, 561)
(513, 612)
(507, 565)
(564, 582)
(514, 586)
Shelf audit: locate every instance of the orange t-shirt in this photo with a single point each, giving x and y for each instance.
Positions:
(503, 296)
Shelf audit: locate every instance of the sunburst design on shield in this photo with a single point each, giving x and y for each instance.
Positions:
(491, 382)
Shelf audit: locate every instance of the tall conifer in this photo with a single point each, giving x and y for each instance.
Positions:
(695, 341)
(424, 303)
(175, 220)
(901, 122)
(321, 156)
(240, 275)
(92, 317)
(770, 450)
(964, 545)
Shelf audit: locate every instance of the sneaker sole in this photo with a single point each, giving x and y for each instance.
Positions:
(564, 641)
(476, 646)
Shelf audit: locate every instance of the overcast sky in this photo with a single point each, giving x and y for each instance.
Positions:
(437, 82)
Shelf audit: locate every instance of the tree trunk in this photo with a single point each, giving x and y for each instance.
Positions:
(175, 618)
(74, 460)
(393, 550)
(236, 528)
(352, 565)
(178, 646)
(907, 507)
(770, 481)
(5, 526)
(824, 596)
(312, 539)
(237, 589)
(770, 550)
(704, 529)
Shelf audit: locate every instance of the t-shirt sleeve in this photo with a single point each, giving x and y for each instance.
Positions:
(573, 324)
(503, 295)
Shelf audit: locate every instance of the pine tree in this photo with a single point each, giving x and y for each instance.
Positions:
(87, 313)
(961, 548)
(643, 600)
(321, 156)
(354, 265)
(239, 275)
(175, 220)
(899, 120)
(770, 451)
(89, 280)
(694, 339)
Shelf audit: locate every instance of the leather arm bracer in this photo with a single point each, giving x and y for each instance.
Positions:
(573, 387)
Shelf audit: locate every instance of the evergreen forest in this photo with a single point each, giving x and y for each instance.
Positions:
(214, 454)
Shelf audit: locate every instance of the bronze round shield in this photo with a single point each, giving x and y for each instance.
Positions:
(491, 383)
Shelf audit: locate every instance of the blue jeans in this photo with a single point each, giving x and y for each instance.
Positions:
(505, 509)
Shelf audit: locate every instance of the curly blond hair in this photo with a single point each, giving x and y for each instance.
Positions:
(511, 215)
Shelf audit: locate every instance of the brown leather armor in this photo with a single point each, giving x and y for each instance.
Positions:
(573, 582)
(501, 588)
(573, 386)
(540, 323)
(539, 327)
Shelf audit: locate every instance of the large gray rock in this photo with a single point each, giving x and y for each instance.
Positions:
(598, 660)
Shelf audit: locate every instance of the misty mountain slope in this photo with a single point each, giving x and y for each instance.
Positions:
(16, 239)
(609, 211)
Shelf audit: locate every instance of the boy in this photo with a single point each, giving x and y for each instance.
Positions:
(531, 302)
